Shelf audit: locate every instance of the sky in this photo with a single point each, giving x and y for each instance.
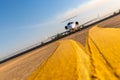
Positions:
(27, 22)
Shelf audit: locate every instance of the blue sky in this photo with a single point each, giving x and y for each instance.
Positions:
(26, 22)
(30, 12)
(18, 18)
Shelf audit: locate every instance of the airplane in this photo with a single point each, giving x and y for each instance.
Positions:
(71, 26)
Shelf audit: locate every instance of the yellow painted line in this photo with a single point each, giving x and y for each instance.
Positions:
(99, 60)
(68, 62)
(103, 46)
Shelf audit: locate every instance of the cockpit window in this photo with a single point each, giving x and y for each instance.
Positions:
(70, 23)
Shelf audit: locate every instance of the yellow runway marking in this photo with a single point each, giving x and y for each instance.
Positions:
(68, 62)
(99, 60)
(103, 45)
